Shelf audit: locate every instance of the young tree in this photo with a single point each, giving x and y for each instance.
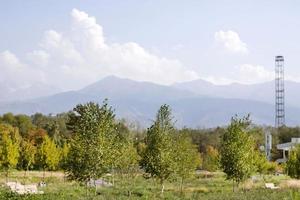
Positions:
(128, 159)
(261, 162)
(64, 151)
(187, 157)
(210, 159)
(49, 154)
(293, 163)
(9, 147)
(91, 149)
(237, 150)
(158, 157)
(128, 163)
(27, 155)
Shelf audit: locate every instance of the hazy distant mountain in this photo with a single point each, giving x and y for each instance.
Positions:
(115, 88)
(9, 93)
(139, 101)
(258, 92)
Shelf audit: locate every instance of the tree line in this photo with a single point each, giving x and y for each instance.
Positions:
(89, 142)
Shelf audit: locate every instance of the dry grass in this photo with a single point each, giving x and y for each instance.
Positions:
(30, 176)
(293, 184)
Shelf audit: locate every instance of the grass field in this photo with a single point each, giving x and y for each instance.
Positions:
(213, 187)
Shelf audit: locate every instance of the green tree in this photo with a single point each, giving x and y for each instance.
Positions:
(293, 163)
(158, 157)
(23, 122)
(91, 150)
(64, 155)
(261, 162)
(286, 133)
(186, 157)
(237, 150)
(128, 163)
(27, 155)
(210, 159)
(128, 159)
(9, 147)
(9, 118)
(49, 155)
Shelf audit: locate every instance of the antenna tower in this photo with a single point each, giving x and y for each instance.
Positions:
(279, 92)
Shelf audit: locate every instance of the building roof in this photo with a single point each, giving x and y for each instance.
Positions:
(289, 145)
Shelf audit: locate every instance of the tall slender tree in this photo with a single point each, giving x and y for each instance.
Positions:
(9, 147)
(237, 151)
(158, 157)
(49, 155)
(27, 155)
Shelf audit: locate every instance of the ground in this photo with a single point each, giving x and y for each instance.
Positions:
(212, 186)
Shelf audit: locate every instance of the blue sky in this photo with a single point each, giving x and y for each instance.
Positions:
(70, 44)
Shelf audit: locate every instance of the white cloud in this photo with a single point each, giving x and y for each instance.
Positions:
(38, 57)
(217, 80)
(248, 73)
(245, 74)
(80, 56)
(86, 31)
(60, 48)
(9, 60)
(15, 73)
(231, 41)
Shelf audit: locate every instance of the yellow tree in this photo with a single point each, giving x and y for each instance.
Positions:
(210, 159)
(9, 147)
(27, 155)
(49, 154)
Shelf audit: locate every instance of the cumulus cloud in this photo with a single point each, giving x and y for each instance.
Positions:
(16, 74)
(245, 74)
(81, 56)
(9, 61)
(38, 57)
(231, 41)
(254, 73)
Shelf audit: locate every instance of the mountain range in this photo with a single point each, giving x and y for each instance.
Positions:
(195, 103)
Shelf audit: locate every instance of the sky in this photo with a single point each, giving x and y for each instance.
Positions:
(70, 44)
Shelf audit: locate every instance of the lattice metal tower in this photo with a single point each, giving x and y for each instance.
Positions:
(279, 92)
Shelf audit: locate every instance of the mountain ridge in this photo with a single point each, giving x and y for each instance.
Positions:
(139, 101)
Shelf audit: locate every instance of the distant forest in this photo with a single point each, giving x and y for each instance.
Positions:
(32, 131)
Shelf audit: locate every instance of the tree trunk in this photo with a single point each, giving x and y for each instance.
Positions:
(113, 177)
(86, 188)
(162, 186)
(233, 190)
(6, 179)
(181, 185)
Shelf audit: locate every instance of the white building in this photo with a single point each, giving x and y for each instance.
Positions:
(286, 148)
